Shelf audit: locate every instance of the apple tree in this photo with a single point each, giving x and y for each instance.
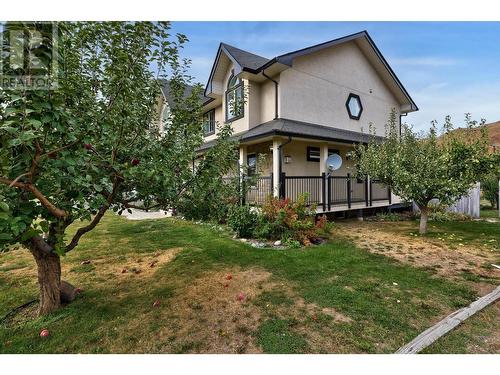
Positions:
(426, 166)
(91, 144)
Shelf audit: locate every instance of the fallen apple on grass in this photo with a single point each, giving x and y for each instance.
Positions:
(241, 296)
(44, 333)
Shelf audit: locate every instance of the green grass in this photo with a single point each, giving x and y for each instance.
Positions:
(334, 275)
(453, 233)
(488, 213)
(478, 334)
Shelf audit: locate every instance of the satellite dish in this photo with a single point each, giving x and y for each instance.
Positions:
(333, 163)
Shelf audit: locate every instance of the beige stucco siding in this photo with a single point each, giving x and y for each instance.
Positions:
(267, 100)
(299, 166)
(316, 88)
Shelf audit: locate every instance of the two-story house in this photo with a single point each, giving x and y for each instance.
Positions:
(298, 108)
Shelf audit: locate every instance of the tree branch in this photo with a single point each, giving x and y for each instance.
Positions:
(97, 218)
(38, 194)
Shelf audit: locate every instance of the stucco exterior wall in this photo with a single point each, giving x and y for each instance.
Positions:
(299, 166)
(316, 88)
(267, 98)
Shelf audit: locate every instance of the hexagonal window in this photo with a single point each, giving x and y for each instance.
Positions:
(354, 107)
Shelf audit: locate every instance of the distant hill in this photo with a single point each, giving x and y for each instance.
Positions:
(493, 135)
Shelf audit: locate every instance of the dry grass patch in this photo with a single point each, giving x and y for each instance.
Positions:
(387, 239)
(212, 314)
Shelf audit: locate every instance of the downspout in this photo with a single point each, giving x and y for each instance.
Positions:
(275, 94)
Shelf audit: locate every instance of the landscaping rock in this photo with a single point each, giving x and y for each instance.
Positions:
(277, 243)
(243, 240)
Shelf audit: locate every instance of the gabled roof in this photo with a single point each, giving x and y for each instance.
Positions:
(243, 58)
(254, 64)
(165, 89)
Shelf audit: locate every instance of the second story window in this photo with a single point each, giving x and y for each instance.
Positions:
(209, 123)
(234, 98)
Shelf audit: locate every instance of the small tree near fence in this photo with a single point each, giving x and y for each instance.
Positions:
(423, 167)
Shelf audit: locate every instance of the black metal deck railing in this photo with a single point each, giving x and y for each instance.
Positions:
(327, 192)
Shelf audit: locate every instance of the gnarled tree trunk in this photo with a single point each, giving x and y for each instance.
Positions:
(49, 279)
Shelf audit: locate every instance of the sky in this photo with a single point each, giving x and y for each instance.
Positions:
(449, 68)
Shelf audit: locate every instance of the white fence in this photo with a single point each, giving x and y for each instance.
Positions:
(468, 204)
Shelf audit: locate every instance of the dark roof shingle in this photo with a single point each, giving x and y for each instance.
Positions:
(245, 59)
(300, 129)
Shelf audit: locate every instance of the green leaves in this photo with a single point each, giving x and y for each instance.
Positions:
(420, 168)
(107, 97)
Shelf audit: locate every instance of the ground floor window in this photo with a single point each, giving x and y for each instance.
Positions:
(313, 153)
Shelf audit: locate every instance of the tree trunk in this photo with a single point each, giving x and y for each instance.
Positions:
(424, 216)
(49, 280)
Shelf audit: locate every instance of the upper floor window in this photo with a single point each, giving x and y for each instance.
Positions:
(209, 123)
(354, 107)
(234, 98)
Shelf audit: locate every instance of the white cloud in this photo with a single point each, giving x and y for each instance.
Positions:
(438, 100)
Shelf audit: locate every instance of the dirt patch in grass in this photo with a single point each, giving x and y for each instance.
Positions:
(422, 252)
(144, 265)
(212, 314)
(313, 310)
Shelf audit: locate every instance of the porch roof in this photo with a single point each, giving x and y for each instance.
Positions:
(286, 127)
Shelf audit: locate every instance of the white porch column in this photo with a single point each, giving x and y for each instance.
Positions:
(243, 158)
(276, 167)
(323, 155)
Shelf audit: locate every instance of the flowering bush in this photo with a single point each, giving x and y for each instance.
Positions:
(287, 220)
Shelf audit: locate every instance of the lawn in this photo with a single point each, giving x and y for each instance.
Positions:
(220, 295)
(488, 212)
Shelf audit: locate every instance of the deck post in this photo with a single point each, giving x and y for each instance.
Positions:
(282, 186)
(276, 168)
(328, 192)
(366, 191)
(390, 194)
(371, 190)
(323, 190)
(349, 190)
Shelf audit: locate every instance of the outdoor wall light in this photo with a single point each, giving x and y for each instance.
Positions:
(288, 159)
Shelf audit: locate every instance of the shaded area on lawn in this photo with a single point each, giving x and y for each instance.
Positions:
(385, 303)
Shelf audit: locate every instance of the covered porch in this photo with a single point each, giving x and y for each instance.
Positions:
(287, 167)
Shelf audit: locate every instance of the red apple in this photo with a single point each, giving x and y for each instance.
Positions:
(44, 333)
(241, 296)
(226, 285)
(87, 146)
(135, 162)
(229, 276)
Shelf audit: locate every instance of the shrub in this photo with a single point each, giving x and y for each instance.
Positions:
(287, 220)
(242, 219)
(442, 216)
(490, 190)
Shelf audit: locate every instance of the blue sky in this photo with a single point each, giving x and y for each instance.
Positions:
(447, 67)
